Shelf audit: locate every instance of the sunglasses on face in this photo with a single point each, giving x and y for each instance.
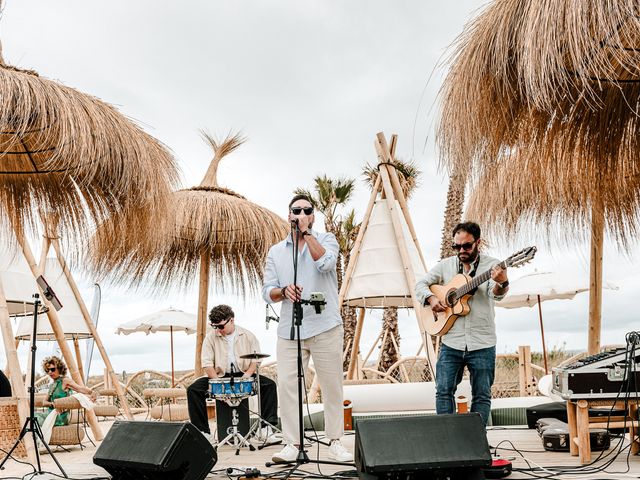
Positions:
(299, 210)
(221, 325)
(51, 369)
(462, 246)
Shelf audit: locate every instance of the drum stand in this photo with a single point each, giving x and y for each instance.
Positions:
(255, 428)
(234, 437)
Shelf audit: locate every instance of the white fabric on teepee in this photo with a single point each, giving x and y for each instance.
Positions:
(378, 279)
(71, 319)
(18, 284)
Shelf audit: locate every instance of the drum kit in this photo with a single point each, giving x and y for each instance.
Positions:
(233, 391)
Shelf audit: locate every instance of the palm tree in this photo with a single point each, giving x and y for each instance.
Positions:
(453, 209)
(347, 234)
(408, 175)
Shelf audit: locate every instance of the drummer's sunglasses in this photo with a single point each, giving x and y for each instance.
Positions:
(298, 210)
(221, 325)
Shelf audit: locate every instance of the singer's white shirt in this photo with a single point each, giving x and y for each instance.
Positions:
(313, 276)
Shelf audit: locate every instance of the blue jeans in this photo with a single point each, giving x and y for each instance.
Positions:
(449, 369)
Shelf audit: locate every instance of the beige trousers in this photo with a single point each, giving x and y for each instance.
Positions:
(326, 350)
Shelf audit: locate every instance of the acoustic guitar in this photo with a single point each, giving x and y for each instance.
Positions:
(455, 295)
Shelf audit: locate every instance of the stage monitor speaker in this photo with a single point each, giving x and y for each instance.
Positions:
(426, 446)
(155, 451)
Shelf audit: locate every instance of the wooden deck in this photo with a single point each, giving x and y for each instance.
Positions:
(518, 444)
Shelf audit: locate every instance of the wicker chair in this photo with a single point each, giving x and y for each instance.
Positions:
(167, 406)
(108, 409)
(74, 433)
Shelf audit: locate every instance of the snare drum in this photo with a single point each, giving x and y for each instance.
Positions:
(221, 387)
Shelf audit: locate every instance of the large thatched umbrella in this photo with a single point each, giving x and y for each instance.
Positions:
(67, 159)
(204, 228)
(540, 107)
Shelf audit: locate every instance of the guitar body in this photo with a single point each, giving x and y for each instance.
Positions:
(438, 324)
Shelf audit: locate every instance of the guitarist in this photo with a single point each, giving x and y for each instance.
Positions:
(471, 341)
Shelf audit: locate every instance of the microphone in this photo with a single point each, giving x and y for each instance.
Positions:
(231, 381)
(266, 317)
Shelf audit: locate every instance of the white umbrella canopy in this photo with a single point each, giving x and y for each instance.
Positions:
(18, 284)
(536, 287)
(168, 320)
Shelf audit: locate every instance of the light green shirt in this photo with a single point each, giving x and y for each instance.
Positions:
(477, 329)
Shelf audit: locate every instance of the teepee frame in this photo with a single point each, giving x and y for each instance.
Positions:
(388, 186)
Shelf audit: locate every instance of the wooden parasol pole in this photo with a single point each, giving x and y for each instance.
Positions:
(203, 294)
(544, 343)
(59, 334)
(595, 281)
(173, 378)
(92, 328)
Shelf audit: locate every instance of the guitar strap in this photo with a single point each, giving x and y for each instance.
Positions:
(473, 271)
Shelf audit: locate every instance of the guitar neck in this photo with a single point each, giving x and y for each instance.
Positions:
(476, 282)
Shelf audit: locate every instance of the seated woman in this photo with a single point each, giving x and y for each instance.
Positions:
(61, 386)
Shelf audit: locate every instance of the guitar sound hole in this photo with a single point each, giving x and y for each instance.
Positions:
(451, 298)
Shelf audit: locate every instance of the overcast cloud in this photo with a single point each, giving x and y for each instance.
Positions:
(310, 83)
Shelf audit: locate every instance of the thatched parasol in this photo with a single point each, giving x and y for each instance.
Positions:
(540, 107)
(204, 227)
(71, 156)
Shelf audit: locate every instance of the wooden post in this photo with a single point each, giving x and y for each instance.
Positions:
(203, 296)
(76, 347)
(353, 361)
(524, 369)
(544, 343)
(59, 334)
(15, 374)
(595, 281)
(173, 377)
(92, 328)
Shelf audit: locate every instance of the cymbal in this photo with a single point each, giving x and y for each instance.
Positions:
(255, 356)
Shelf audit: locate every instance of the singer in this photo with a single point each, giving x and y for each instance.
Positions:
(221, 351)
(321, 334)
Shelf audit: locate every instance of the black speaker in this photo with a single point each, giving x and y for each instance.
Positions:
(426, 447)
(155, 451)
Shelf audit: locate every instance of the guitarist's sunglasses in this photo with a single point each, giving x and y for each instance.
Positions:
(464, 246)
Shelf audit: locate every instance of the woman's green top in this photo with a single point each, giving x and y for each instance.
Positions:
(56, 391)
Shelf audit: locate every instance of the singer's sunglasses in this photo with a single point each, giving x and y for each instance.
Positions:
(221, 325)
(51, 369)
(464, 246)
(299, 210)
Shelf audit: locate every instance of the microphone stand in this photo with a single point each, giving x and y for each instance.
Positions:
(31, 424)
(296, 322)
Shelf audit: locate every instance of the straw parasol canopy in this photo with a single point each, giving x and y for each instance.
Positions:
(71, 156)
(204, 228)
(540, 108)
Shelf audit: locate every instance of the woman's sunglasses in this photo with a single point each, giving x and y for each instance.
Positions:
(221, 325)
(52, 369)
(299, 210)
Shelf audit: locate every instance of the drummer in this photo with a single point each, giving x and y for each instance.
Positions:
(222, 353)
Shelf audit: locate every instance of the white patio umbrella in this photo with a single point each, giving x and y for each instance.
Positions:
(169, 320)
(537, 287)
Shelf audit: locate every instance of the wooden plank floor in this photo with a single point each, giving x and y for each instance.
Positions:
(517, 444)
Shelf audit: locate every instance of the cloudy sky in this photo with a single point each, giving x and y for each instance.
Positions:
(310, 84)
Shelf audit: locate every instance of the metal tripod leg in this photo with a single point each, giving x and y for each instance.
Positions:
(238, 439)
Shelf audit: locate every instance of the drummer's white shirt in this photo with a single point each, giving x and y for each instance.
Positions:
(231, 356)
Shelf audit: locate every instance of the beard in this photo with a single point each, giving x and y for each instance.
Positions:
(468, 257)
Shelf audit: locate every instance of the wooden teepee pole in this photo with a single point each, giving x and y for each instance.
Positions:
(383, 153)
(92, 328)
(203, 295)
(59, 334)
(15, 375)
